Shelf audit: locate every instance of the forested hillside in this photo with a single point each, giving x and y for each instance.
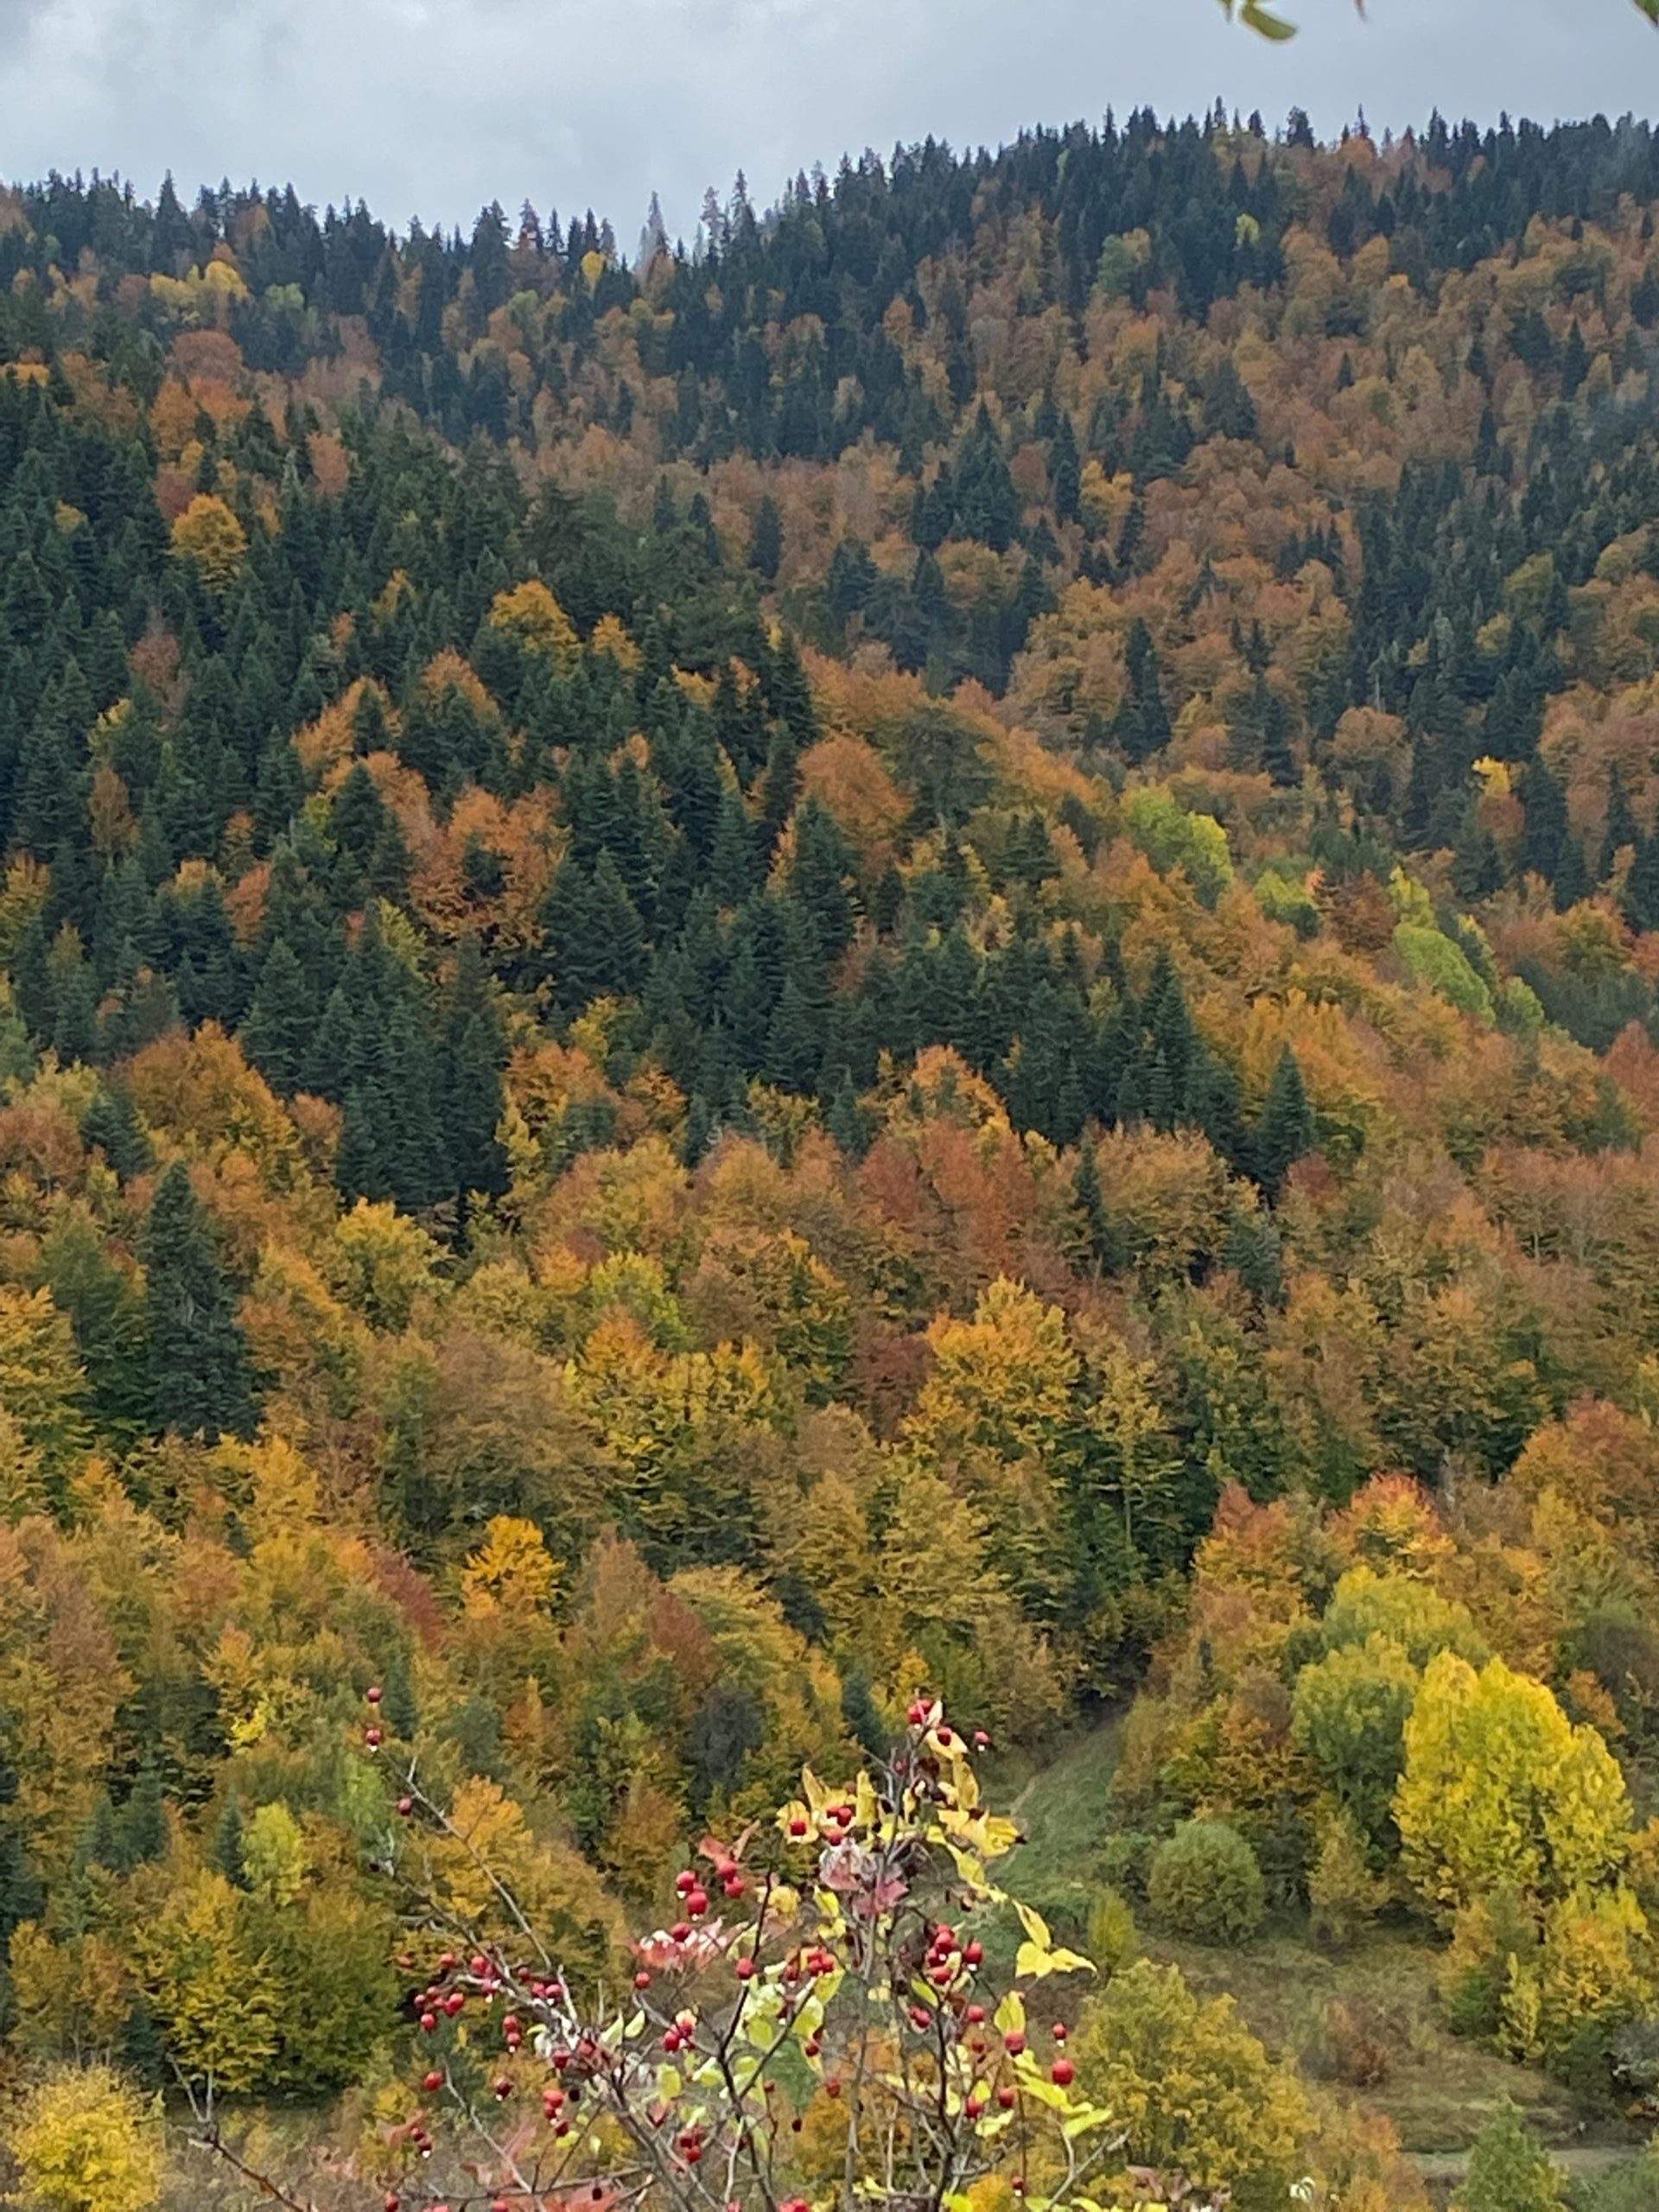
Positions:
(913, 951)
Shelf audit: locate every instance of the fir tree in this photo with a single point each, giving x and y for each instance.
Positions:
(143, 1819)
(282, 1019)
(472, 1058)
(1621, 829)
(766, 539)
(1286, 1129)
(200, 1382)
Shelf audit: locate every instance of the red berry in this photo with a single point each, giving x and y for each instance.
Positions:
(920, 2017)
(680, 1930)
(374, 1695)
(405, 1807)
(429, 2021)
(454, 2002)
(1062, 2072)
(975, 2015)
(798, 1826)
(944, 1736)
(832, 2088)
(642, 1979)
(982, 1741)
(745, 1969)
(973, 1955)
(697, 1903)
(504, 2088)
(1013, 2044)
(432, 2080)
(373, 1737)
(391, 2203)
(684, 1881)
(1005, 2097)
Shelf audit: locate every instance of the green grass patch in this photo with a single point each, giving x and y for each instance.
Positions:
(1438, 2089)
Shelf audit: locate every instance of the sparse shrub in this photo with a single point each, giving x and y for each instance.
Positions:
(1489, 1938)
(1111, 1939)
(1125, 1860)
(1353, 2044)
(1344, 1893)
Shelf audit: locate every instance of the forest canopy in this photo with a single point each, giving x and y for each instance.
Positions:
(910, 952)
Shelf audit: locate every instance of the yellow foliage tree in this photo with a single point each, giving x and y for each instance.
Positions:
(1003, 1380)
(1595, 1963)
(531, 615)
(1191, 2088)
(214, 1993)
(1500, 1787)
(84, 2141)
(384, 1261)
(513, 1570)
(274, 1855)
(209, 536)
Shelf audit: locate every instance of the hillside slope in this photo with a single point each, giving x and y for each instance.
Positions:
(918, 949)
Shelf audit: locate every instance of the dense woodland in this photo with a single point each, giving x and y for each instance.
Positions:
(916, 947)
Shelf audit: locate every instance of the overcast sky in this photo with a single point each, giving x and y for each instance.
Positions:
(433, 107)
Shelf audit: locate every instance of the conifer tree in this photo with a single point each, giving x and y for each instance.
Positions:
(1142, 723)
(282, 1019)
(1621, 829)
(473, 1057)
(1286, 1129)
(199, 1383)
(766, 539)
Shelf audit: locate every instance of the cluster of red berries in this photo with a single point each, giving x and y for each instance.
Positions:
(836, 1822)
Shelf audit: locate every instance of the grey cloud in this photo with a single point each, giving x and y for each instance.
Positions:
(428, 109)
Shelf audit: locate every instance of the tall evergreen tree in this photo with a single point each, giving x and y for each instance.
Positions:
(1286, 1129)
(198, 1375)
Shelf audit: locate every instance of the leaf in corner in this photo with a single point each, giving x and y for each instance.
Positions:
(1266, 25)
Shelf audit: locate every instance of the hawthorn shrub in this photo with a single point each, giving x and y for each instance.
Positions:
(816, 2029)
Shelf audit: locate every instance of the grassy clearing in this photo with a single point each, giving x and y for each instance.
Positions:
(1438, 2089)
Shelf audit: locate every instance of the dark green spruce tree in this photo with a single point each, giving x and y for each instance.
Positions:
(199, 1377)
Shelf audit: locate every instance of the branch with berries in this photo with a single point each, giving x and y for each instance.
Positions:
(816, 2031)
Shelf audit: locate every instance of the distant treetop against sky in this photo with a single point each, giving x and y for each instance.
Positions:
(435, 109)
